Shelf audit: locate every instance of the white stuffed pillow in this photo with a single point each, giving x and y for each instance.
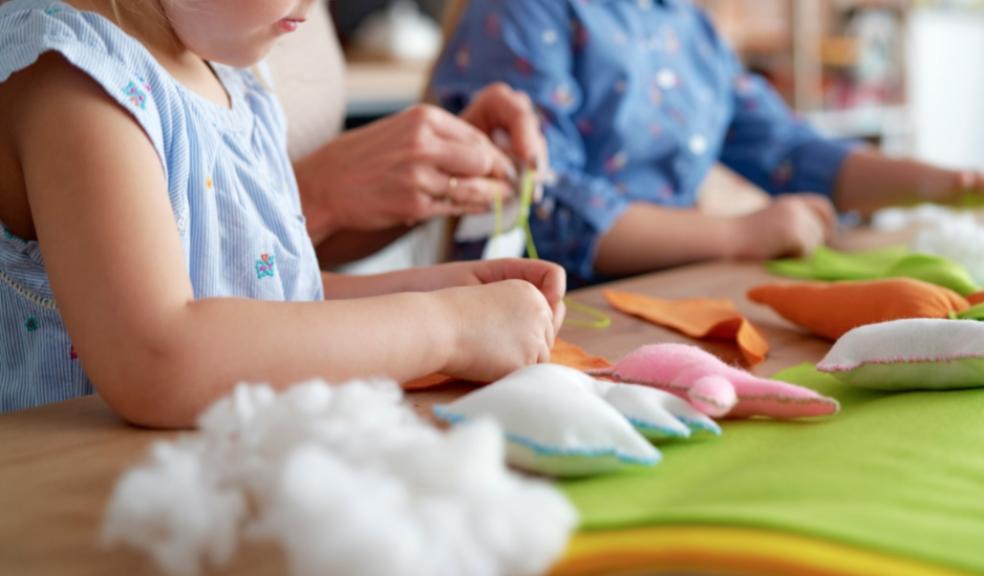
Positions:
(915, 354)
(562, 422)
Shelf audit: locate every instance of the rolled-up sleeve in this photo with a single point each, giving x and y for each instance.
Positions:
(530, 46)
(772, 147)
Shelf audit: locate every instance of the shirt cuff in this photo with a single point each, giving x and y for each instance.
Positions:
(814, 166)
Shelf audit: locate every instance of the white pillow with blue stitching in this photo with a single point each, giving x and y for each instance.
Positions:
(561, 422)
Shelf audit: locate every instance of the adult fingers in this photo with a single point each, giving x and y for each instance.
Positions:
(457, 147)
(480, 193)
(501, 107)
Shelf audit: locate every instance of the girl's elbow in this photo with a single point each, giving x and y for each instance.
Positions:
(161, 390)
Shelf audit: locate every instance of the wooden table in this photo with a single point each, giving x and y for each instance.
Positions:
(58, 464)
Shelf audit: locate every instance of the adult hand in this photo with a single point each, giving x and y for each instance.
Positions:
(410, 167)
(499, 107)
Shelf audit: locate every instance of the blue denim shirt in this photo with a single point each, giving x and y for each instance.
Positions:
(638, 100)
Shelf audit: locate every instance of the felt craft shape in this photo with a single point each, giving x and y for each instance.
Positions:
(561, 422)
(831, 310)
(716, 388)
(898, 262)
(919, 354)
(697, 318)
(976, 298)
(563, 353)
(897, 475)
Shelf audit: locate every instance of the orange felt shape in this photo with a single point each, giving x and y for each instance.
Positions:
(563, 353)
(976, 298)
(831, 310)
(697, 318)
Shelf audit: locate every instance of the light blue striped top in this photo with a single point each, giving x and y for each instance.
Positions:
(230, 183)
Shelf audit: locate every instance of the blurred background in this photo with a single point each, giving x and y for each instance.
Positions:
(905, 75)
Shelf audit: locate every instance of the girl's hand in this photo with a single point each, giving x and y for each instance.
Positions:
(401, 170)
(951, 186)
(549, 278)
(496, 329)
(793, 225)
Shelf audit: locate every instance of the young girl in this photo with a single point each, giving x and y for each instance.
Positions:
(153, 247)
(639, 98)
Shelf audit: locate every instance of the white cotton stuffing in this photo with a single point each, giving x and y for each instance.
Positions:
(960, 240)
(175, 508)
(348, 481)
(889, 219)
(953, 234)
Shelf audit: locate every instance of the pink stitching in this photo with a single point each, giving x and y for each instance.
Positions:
(926, 360)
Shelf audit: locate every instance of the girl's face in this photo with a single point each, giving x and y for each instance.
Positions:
(234, 32)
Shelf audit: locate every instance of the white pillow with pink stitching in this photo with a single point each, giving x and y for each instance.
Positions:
(914, 354)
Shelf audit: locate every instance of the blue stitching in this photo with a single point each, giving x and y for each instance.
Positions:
(701, 425)
(667, 432)
(541, 450)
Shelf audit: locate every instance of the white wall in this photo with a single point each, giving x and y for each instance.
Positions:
(946, 85)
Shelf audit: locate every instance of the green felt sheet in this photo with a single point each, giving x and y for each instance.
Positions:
(899, 474)
(897, 262)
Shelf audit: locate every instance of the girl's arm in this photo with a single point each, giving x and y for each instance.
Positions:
(869, 181)
(111, 248)
(648, 237)
(547, 277)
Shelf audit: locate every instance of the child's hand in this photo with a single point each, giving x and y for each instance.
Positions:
(549, 278)
(497, 329)
(951, 186)
(791, 226)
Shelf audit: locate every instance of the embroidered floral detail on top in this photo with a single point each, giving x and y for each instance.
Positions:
(138, 98)
(265, 266)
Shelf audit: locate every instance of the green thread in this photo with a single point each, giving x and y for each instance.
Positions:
(31, 324)
(599, 320)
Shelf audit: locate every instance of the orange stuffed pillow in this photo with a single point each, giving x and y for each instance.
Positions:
(831, 310)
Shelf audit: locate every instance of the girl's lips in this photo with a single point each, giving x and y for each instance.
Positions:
(290, 24)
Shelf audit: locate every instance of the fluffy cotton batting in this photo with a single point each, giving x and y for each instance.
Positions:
(960, 239)
(348, 481)
(953, 234)
(894, 218)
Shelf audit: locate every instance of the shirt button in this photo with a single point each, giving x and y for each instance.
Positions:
(698, 144)
(667, 79)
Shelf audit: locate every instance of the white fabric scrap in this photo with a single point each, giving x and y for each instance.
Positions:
(348, 481)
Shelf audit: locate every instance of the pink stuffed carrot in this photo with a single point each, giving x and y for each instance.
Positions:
(715, 388)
